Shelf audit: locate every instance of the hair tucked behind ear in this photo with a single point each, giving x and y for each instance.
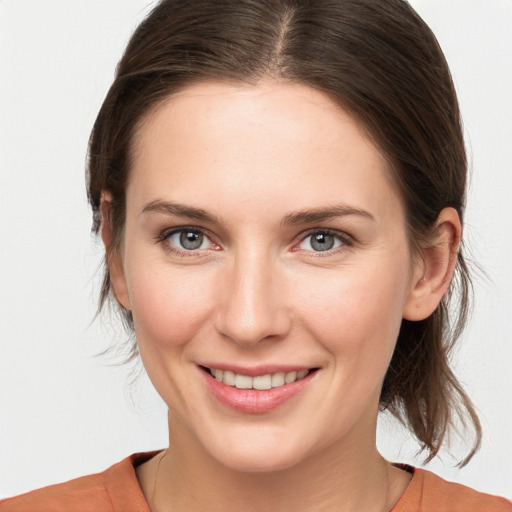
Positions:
(376, 59)
(427, 396)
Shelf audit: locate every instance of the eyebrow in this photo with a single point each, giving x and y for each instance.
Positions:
(318, 214)
(306, 216)
(165, 207)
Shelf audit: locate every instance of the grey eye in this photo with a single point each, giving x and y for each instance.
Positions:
(189, 240)
(320, 241)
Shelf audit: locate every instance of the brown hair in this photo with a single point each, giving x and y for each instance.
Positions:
(378, 60)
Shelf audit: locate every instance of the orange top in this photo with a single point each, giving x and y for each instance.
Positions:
(117, 490)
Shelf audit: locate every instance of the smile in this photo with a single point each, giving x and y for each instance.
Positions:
(265, 389)
(259, 382)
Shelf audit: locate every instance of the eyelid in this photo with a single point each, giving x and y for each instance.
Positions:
(346, 239)
(165, 234)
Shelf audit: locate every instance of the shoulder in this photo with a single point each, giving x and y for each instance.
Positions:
(114, 489)
(88, 491)
(428, 492)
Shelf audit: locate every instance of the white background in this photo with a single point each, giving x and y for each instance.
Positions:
(64, 412)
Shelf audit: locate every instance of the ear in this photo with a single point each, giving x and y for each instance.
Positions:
(113, 256)
(435, 266)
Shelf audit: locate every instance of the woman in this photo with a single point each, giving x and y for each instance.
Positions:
(280, 190)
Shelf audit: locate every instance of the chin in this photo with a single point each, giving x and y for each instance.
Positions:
(257, 454)
(251, 462)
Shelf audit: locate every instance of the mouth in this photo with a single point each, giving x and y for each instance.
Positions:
(262, 392)
(258, 382)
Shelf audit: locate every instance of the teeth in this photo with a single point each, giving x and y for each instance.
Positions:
(290, 377)
(243, 382)
(278, 380)
(302, 374)
(228, 378)
(261, 382)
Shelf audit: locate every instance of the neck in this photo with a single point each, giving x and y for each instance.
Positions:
(343, 478)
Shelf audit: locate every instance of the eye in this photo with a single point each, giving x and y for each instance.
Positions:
(188, 239)
(321, 241)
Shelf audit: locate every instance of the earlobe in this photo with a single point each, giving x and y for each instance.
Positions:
(435, 268)
(113, 257)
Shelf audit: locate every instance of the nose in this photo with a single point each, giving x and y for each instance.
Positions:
(252, 304)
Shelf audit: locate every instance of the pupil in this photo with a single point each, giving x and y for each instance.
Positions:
(322, 242)
(191, 240)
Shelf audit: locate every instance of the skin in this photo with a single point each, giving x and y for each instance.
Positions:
(257, 292)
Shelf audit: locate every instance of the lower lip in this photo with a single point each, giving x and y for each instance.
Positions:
(254, 401)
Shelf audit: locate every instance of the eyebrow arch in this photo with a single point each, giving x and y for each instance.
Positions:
(300, 217)
(319, 214)
(165, 207)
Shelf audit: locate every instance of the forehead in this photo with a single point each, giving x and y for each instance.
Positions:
(286, 142)
(297, 112)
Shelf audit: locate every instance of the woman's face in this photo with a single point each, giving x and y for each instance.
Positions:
(264, 240)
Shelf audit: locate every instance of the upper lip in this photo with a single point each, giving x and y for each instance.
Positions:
(254, 371)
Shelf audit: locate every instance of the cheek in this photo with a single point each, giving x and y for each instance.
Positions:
(358, 311)
(168, 305)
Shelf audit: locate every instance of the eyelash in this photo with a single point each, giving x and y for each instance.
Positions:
(344, 238)
(164, 237)
(345, 241)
